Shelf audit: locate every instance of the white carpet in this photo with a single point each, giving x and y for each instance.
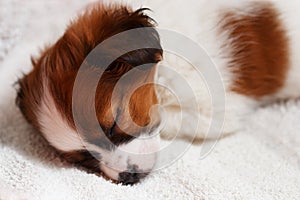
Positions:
(261, 162)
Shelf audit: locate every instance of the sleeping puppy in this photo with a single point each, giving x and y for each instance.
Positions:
(45, 94)
(252, 43)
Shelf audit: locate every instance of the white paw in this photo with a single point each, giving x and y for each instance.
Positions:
(193, 124)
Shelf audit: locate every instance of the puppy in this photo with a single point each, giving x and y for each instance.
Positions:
(45, 94)
(252, 43)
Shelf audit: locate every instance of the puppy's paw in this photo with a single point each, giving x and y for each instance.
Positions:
(206, 123)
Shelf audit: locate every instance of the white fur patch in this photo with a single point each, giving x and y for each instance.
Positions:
(140, 152)
(54, 127)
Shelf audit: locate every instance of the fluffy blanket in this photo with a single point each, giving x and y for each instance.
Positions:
(260, 162)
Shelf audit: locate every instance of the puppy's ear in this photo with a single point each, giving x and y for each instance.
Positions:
(148, 36)
(143, 41)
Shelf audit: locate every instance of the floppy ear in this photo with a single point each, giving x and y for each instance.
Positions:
(149, 36)
(144, 34)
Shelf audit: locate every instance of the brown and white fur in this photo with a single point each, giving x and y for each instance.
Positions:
(45, 95)
(253, 44)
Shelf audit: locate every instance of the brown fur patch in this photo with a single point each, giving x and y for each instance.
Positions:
(259, 49)
(58, 65)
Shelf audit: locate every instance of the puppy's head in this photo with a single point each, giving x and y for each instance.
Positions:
(46, 94)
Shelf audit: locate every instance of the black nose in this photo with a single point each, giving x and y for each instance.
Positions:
(130, 178)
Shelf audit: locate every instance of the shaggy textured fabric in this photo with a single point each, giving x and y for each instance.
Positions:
(12, 21)
(260, 162)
